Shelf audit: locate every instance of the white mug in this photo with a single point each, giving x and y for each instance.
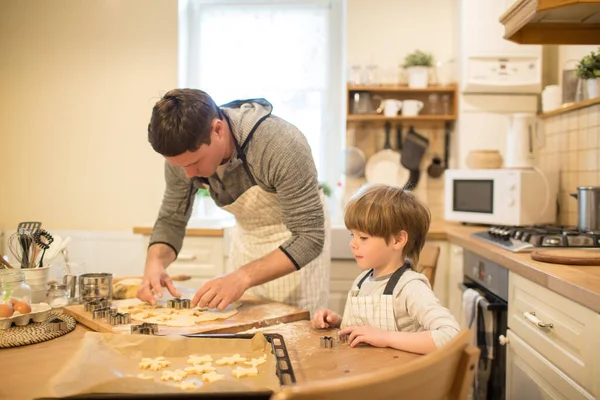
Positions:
(410, 108)
(390, 107)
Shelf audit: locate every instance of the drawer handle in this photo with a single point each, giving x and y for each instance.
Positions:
(536, 321)
(186, 257)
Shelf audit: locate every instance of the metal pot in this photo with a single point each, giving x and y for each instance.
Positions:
(588, 208)
(95, 286)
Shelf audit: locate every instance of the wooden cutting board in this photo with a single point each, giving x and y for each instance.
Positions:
(253, 313)
(568, 256)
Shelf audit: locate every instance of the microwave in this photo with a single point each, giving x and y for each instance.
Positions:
(501, 196)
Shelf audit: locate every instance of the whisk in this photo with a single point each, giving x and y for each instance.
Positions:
(23, 247)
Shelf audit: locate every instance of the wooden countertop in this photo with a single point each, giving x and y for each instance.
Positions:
(30, 367)
(578, 283)
(206, 232)
(437, 231)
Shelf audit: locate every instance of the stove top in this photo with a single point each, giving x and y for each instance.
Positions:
(521, 239)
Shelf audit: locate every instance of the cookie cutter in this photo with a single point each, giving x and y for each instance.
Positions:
(100, 313)
(119, 318)
(145, 329)
(343, 338)
(327, 342)
(178, 304)
(56, 325)
(95, 304)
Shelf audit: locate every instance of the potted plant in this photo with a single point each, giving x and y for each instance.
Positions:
(588, 69)
(417, 64)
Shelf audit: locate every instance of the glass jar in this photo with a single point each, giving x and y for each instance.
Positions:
(57, 295)
(13, 286)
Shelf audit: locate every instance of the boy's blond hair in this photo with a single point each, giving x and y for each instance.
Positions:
(384, 211)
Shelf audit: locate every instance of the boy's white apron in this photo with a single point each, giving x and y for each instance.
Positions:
(376, 310)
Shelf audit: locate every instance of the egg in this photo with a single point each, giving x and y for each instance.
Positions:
(6, 310)
(22, 307)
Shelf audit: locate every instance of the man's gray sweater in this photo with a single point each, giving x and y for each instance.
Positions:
(280, 160)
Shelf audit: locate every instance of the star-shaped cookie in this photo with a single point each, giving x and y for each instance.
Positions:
(154, 364)
(212, 376)
(176, 375)
(186, 386)
(194, 359)
(255, 362)
(200, 369)
(236, 358)
(240, 372)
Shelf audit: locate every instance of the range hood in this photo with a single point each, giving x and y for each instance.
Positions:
(552, 22)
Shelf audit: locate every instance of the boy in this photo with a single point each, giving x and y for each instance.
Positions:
(389, 305)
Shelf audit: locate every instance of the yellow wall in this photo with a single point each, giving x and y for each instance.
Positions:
(78, 80)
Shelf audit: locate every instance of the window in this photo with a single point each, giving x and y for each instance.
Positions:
(290, 52)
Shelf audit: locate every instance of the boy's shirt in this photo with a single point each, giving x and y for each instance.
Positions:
(416, 307)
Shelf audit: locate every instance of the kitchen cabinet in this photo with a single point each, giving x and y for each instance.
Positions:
(455, 279)
(201, 257)
(553, 345)
(552, 22)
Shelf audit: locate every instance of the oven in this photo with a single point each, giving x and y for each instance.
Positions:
(490, 280)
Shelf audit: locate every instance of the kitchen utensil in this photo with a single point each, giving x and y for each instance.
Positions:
(355, 161)
(29, 227)
(95, 286)
(390, 107)
(4, 263)
(519, 141)
(411, 108)
(43, 239)
(95, 304)
(145, 328)
(436, 168)
(412, 153)
(385, 166)
(178, 304)
(22, 247)
(119, 318)
(588, 208)
(568, 256)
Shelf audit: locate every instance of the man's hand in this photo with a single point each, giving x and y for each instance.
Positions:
(155, 278)
(324, 318)
(366, 334)
(221, 291)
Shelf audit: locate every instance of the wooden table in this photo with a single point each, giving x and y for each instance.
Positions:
(28, 368)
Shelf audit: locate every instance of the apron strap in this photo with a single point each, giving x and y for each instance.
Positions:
(364, 278)
(393, 281)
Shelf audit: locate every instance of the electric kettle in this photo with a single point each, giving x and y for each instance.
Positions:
(519, 141)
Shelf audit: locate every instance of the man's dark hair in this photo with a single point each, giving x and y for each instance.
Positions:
(181, 121)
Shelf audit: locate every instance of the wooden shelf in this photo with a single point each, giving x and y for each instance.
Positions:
(570, 107)
(399, 88)
(553, 22)
(382, 118)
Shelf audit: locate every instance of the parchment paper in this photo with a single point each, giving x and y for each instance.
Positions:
(109, 363)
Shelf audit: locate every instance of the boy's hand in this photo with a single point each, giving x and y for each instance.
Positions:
(323, 319)
(366, 334)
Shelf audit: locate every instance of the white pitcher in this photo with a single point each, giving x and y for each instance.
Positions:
(410, 108)
(390, 107)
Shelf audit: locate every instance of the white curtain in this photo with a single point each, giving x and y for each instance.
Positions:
(289, 52)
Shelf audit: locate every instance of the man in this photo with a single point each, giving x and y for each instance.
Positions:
(258, 167)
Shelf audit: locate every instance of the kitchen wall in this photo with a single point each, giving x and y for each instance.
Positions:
(79, 79)
(383, 32)
(573, 148)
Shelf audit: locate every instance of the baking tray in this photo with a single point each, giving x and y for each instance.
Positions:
(284, 370)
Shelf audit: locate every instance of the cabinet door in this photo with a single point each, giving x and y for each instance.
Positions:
(441, 285)
(529, 376)
(455, 278)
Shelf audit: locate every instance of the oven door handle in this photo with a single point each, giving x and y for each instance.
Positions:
(530, 316)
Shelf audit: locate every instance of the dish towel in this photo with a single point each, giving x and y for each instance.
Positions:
(485, 342)
(470, 308)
